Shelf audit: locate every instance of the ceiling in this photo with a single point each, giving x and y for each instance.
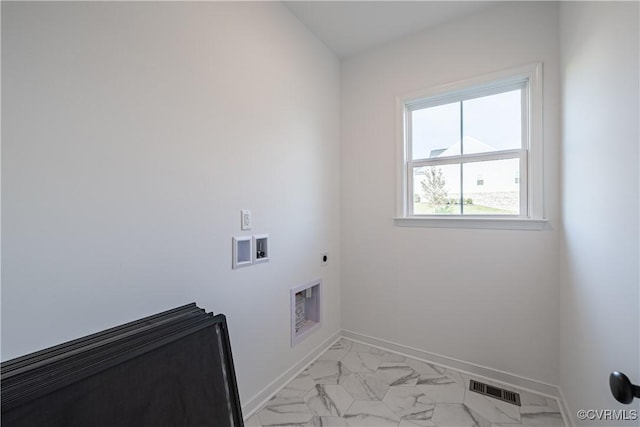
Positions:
(352, 27)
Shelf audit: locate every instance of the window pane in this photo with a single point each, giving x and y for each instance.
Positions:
(435, 131)
(436, 190)
(492, 123)
(491, 188)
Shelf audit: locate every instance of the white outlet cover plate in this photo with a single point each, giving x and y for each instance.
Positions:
(245, 219)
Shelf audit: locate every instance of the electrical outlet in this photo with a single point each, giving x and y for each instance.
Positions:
(324, 258)
(245, 219)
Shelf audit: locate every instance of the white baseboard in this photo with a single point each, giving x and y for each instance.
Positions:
(459, 365)
(257, 401)
(528, 384)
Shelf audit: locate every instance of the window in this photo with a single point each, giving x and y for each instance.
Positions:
(471, 152)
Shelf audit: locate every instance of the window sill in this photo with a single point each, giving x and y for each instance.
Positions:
(472, 222)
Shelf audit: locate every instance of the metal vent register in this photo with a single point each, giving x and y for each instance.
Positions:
(495, 392)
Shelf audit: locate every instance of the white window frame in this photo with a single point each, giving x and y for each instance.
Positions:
(528, 77)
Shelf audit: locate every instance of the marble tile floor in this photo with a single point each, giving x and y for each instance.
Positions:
(353, 384)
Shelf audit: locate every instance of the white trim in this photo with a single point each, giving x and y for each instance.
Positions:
(567, 414)
(503, 76)
(527, 384)
(536, 146)
(508, 378)
(469, 158)
(469, 221)
(467, 93)
(532, 184)
(401, 155)
(259, 399)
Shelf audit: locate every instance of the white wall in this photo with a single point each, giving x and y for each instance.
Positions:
(600, 268)
(483, 296)
(133, 134)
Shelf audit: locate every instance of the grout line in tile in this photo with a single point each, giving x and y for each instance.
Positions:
(460, 375)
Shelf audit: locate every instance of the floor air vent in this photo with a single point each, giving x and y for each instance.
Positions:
(495, 392)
